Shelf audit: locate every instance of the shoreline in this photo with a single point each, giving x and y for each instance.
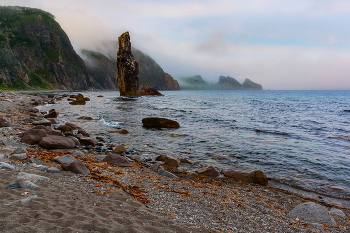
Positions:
(323, 197)
(193, 192)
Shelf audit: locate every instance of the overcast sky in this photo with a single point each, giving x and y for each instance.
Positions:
(281, 44)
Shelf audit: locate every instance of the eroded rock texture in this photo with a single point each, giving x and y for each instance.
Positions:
(128, 68)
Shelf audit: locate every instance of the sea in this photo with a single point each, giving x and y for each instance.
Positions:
(299, 139)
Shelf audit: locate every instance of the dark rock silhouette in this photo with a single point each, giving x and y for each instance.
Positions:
(155, 122)
(250, 85)
(229, 83)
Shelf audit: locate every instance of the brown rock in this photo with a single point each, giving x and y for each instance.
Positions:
(85, 118)
(87, 141)
(65, 129)
(44, 122)
(117, 160)
(256, 177)
(78, 167)
(83, 132)
(128, 68)
(187, 161)
(32, 136)
(57, 142)
(78, 102)
(168, 160)
(208, 171)
(80, 130)
(54, 121)
(4, 123)
(100, 96)
(159, 122)
(121, 131)
(75, 140)
(119, 149)
(52, 114)
(148, 91)
(101, 139)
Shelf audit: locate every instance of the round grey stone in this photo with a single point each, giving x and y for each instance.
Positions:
(312, 212)
(53, 170)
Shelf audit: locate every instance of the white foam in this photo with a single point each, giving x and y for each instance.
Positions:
(110, 123)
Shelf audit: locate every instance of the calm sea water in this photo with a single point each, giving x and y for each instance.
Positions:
(299, 138)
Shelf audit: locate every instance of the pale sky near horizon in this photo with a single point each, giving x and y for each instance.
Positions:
(281, 44)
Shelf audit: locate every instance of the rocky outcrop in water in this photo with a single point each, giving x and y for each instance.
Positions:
(128, 68)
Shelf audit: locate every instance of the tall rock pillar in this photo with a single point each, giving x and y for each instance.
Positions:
(128, 68)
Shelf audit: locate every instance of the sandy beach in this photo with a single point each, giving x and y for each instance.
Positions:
(135, 198)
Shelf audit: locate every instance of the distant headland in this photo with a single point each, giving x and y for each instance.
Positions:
(225, 83)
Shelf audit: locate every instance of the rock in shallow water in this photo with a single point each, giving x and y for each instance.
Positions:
(159, 123)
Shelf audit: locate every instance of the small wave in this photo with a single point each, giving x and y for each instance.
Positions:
(126, 98)
(110, 123)
(347, 110)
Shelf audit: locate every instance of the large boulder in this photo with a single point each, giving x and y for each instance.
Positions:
(57, 142)
(256, 177)
(114, 159)
(208, 171)
(156, 122)
(32, 136)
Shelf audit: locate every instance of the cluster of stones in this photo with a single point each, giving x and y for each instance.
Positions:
(78, 99)
(256, 177)
(72, 135)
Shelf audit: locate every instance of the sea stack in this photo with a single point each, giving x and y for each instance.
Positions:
(128, 68)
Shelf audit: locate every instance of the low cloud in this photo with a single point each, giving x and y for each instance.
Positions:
(281, 44)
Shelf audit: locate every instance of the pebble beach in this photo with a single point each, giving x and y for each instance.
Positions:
(134, 198)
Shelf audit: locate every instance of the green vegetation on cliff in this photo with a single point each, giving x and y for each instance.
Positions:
(37, 53)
